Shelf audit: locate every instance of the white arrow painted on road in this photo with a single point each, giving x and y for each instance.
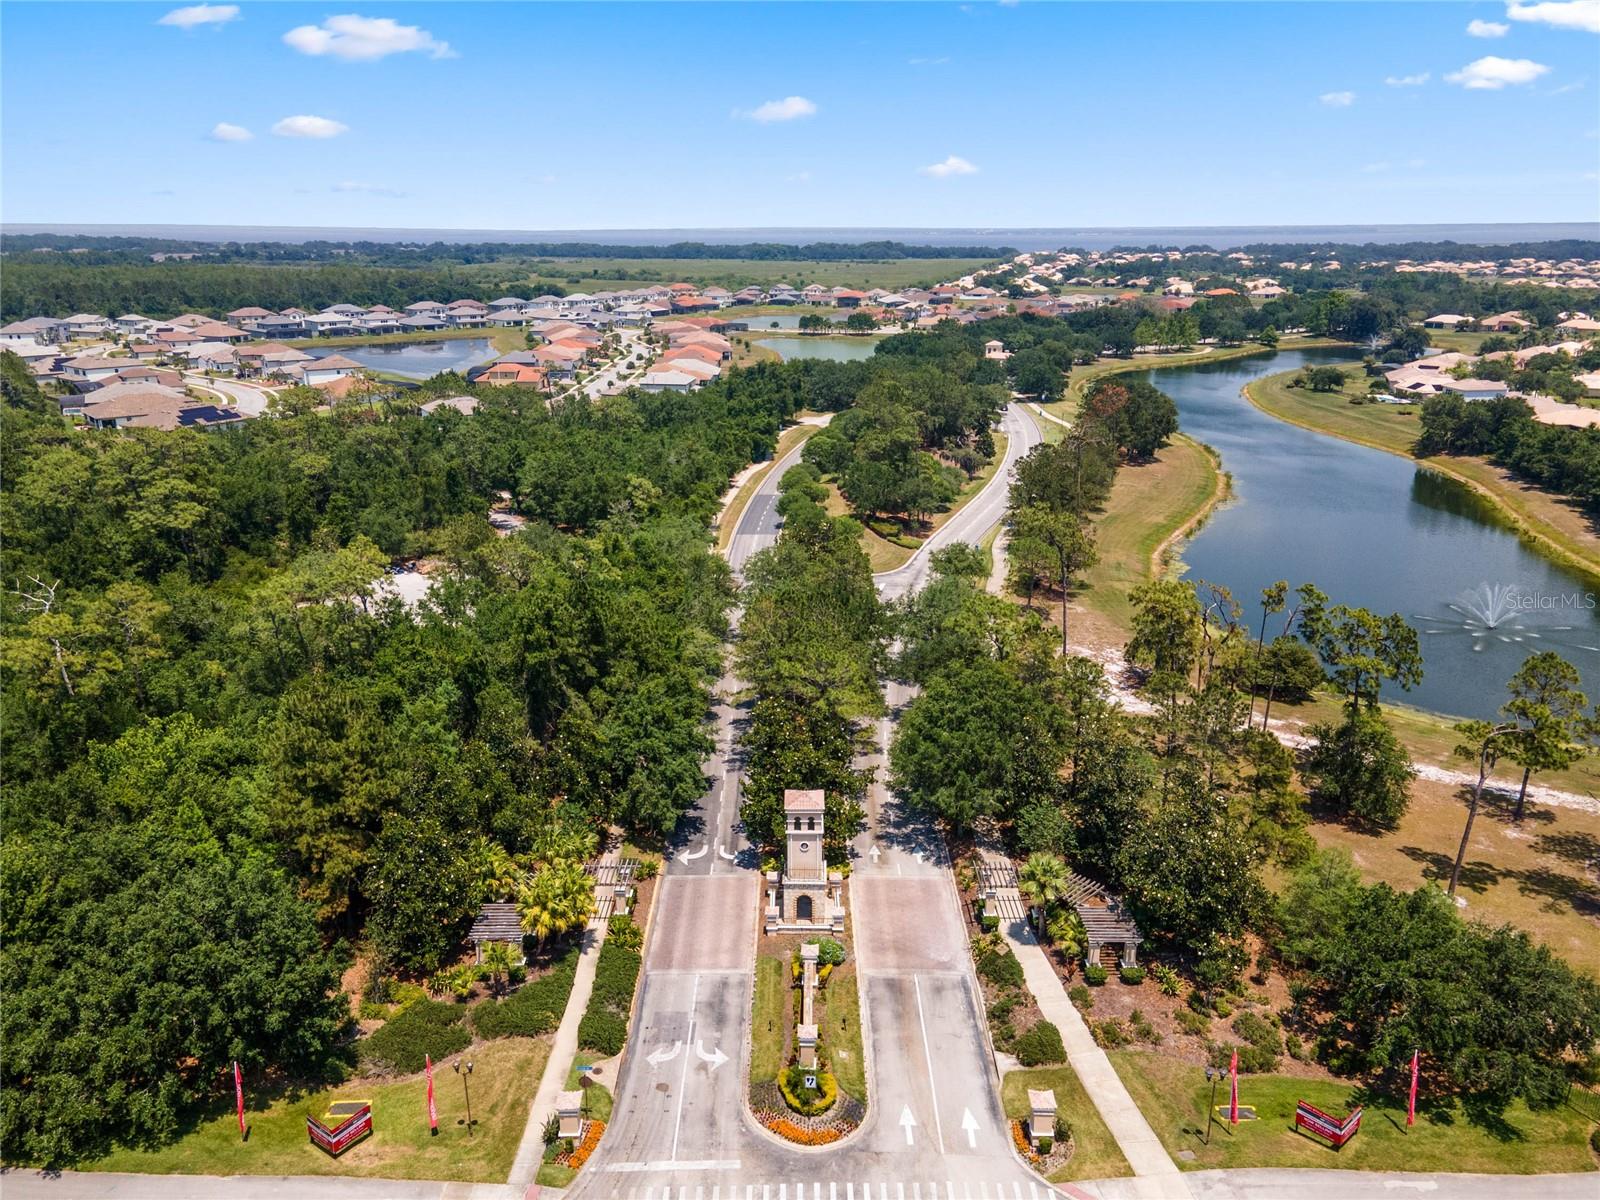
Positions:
(873, 854)
(908, 1123)
(970, 1124)
(723, 853)
(716, 1058)
(663, 1055)
(684, 856)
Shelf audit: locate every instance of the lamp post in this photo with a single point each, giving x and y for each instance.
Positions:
(1213, 1074)
(466, 1071)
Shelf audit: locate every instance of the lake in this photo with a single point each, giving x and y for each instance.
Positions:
(415, 360)
(834, 349)
(1375, 530)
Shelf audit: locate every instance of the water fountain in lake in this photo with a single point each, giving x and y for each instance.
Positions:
(1503, 612)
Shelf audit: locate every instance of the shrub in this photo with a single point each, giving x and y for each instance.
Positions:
(1082, 998)
(1000, 968)
(1295, 1047)
(603, 1032)
(1257, 1031)
(1191, 1022)
(1004, 1036)
(1063, 1129)
(624, 932)
(1000, 1010)
(1095, 975)
(1223, 1006)
(1167, 980)
(1132, 976)
(1110, 1034)
(808, 1102)
(990, 922)
(532, 1009)
(1594, 1140)
(1041, 1046)
(1045, 1145)
(1140, 1026)
(427, 1027)
(830, 953)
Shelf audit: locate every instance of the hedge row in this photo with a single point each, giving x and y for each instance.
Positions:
(604, 1027)
(425, 1027)
(532, 1009)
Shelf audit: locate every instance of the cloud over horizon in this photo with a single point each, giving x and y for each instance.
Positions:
(196, 15)
(1491, 73)
(365, 39)
(790, 108)
(952, 166)
(223, 131)
(309, 127)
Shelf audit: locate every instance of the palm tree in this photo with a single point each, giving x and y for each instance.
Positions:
(499, 875)
(560, 898)
(498, 961)
(1045, 880)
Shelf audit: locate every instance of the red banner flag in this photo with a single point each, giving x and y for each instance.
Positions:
(238, 1094)
(1233, 1089)
(433, 1113)
(1411, 1104)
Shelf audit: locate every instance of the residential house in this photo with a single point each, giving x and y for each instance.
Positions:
(425, 308)
(34, 329)
(250, 317)
(84, 325)
(319, 371)
(1506, 322)
(1447, 321)
(1580, 323)
(465, 405)
(422, 323)
(132, 324)
(505, 374)
(150, 406)
(847, 298)
(88, 370)
(665, 379)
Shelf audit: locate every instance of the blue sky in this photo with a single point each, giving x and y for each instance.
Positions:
(579, 116)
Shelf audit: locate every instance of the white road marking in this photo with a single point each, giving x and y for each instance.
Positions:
(908, 1123)
(685, 857)
(683, 1077)
(927, 1054)
(969, 1124)
(668, 1164)
(656, 1057)
(716, 1058)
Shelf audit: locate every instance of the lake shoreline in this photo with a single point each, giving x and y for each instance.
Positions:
(1527, 526)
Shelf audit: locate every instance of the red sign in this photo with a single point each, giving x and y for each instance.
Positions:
(238, 1094)
(433, 1113)
(1337, 1130)
(339, 1138)
(1233, 1089)
(1411, 1103)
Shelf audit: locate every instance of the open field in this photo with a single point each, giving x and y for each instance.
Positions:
(505, 1074)
(1149, 505)
(887, 548)
(1095, 1154)
(1555, 525)
(1174, 1095)
(1449, 339)
(610, 274)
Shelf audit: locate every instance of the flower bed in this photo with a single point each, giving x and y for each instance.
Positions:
(769, 1107)
(1050, 1162)
(580, 1153)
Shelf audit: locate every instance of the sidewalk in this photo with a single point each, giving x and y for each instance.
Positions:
(530, 1151)
(1158, 1175)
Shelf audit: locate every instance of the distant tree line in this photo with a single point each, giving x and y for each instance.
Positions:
(1559, 457)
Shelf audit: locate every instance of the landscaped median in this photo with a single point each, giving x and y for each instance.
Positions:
(807, 1105)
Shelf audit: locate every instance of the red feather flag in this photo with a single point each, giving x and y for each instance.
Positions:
(433, 1113)
(1233, 1089)
(1411, 1104)
(238, 1094)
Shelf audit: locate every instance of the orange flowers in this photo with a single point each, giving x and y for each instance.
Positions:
(580, 1153)
(1023, 1144)
(789, 1131)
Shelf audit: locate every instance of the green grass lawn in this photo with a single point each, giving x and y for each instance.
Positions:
(610, 274)
(505, 1075)
(596, 1097)
(839, 1021)
(769, 1018)
(1095, 1154)
(1174, 1095)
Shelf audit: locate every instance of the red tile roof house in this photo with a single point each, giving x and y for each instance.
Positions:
(504, 374)
(250, 316)
(846, 298)
(705, 354)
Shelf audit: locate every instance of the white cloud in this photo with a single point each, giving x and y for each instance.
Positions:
(954, 165)
(365, 39)
(201, 14)
(790, 108)
(1408, 80)
(1578, 86)
(368, 189)
(309, 127)
(1338, 99)
(222, 131)
(1487, 29)
(1562, 14)
(1491, 73)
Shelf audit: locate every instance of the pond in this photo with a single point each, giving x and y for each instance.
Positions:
(1376, 530)
(414, 360)
(835, 349)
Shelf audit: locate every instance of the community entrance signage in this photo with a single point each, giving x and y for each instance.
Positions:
(345, 1123)
(1338, 1130)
